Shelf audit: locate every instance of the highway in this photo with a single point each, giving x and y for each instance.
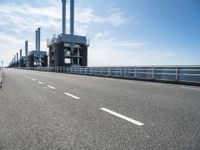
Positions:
(43, 110)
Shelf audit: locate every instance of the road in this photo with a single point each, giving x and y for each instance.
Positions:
(43, 110)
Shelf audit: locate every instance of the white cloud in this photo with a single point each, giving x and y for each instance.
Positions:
(18, 23)
(108, 51)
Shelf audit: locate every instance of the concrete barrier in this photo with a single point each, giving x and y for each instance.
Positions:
(1, 77)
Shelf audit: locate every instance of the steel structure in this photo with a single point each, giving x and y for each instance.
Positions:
(174, 74)
(35, 58)
(68, 49)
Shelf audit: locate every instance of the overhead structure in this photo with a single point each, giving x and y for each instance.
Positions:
(68, 49)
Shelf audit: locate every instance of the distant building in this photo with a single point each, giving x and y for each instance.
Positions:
(68, 49)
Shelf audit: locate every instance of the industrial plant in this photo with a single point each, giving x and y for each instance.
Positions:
(64, 50)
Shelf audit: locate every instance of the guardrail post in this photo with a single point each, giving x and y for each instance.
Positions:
(92, 71)
(135, 76)
(109, 69)
(100, 73)
(126, 72)
(176, 73)
(121, 71)
(152, 72)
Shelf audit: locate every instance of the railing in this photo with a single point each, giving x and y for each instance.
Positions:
(177, 74)
(1, 77)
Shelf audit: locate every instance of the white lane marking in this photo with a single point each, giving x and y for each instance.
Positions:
(51, 87)
(190, 88)
(39, 82)
(73, 96)
(122, 117)
(156, 84)
(33, 79)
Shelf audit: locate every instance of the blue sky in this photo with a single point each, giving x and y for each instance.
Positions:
(122, 33)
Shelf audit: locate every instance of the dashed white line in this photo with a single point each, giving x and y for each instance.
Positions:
(39, 82)
(122, 117)
(51, 87)
(33, 79)
(73, 96)
(155, 84)
(190, 88)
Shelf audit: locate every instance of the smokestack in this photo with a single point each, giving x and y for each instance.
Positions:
(36, 40)
(64, 16)
(72, 17)
(38, 48)
(26, 48)
(20, 53)
(17, 60)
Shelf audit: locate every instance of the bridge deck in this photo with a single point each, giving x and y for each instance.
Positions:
(44, 110)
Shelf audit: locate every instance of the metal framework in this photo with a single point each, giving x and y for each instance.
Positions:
(176, 74)
(68, 49)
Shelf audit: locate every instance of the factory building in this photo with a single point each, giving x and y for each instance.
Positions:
(64, 49)
(37, 58)
(23, 59)
(68, 49)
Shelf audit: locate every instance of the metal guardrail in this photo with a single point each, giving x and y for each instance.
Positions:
(177, 74)
(1, 77)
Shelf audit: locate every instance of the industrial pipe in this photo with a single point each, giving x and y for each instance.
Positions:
(38, 48)
(72, 17)
(36, 40)
(64, 16)
(26, 48)
(20, 53)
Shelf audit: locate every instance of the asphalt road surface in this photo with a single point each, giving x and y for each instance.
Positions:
(42, 110)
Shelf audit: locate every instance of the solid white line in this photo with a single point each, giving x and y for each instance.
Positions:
(75, 97)
(33, 79)
(51, 87)
(40, 82)
(122, 117)
(190, 88)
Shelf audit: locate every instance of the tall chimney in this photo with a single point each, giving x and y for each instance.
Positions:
(26, 48)
(20, 53)
(14, 60)
(64, 16)
(38, 39)
(17, 59)
(72, 17)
